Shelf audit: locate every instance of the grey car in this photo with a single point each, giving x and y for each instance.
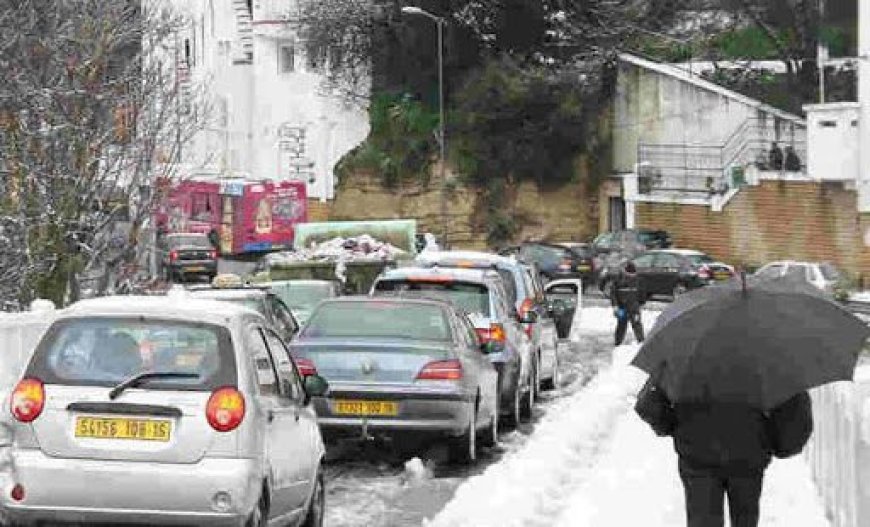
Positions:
(525, 292)
(301, 296)
(164, 411)
(481, 294)
(401, 366)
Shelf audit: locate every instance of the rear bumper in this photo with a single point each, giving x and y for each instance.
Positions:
(446, 412)
(194, 266)
(99, 491)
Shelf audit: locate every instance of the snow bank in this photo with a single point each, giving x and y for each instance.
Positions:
(356, 248)
(529, 487)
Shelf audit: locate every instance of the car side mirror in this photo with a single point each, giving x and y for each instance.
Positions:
(315, 386)
(490, 347)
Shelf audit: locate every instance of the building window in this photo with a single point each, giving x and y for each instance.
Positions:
(828, 124)
(286, 58)
(314, 56)
(854, 123)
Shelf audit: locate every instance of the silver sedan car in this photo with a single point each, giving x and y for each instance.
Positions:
(398, 365)
(163, 411)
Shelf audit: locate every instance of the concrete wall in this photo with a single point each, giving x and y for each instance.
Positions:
(661, 104)
(832, 133)
(568, 212)
(774, 220)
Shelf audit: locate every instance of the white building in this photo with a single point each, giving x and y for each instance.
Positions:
(268, 116)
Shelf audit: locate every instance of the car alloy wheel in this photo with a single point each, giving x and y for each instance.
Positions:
(317, 507)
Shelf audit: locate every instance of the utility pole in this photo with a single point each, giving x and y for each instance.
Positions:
(864, 103)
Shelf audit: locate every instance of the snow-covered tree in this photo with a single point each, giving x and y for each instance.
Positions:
(94, 109)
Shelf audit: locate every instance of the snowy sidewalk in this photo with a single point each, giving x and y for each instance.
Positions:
(592, 462)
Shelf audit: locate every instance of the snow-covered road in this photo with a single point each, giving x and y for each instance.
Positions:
(592, 462)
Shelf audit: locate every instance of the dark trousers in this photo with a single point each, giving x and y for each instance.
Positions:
(705, 490)
(622, 327)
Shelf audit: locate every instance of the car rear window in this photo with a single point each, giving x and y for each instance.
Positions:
(190, 241)
(470, 297)
(379, 319)
(698, 259)
(105, 351)
(257, 304)
(304, 295)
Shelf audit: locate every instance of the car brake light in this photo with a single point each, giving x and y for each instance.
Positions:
(442, 370)
(495, 333)
(28, 400)
(565, 265)
(225, 409)
(306, 367)
(213, 254)
(173, 255)
(525, 307)
(704, 272)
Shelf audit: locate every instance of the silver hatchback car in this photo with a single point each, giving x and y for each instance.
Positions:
(164, 411)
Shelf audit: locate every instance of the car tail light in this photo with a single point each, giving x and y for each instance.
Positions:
(173, 255)
(28, 400)
(565, 265)
(225, 409)
(17, 493)
(704, 272)
(525, 307)
(495, 333)
(442, 370)
(213, 254)
(306, 367)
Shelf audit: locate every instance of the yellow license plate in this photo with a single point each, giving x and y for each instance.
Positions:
(365, 407)
(583, 268)
(194, 269)
(721, 276)
(108, 428)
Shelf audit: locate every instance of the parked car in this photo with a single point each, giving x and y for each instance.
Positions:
(630, 242)
(187, 254)
(161, 410)
(480, 293)
(822, 275)
(400, 365)
(302, 296)
(526, 293)
(672, 272)
(257, 297)
(556, 261)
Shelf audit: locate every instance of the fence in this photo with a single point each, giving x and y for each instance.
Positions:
(707, 168)
(839, 451)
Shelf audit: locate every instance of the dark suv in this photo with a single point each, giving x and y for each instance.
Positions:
(187, 254)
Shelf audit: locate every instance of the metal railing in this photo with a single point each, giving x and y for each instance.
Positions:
(707, 168)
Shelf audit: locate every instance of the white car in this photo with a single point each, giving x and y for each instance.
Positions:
(164, 410)
(822, 275)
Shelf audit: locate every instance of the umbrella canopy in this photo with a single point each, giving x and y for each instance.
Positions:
(758, 343)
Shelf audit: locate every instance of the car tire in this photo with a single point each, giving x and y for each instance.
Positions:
(679, 290)
(553, 382)
(260, 515)
(516, 417)
(489, 438)
(463, 449)
(317, 504)
(528, 401)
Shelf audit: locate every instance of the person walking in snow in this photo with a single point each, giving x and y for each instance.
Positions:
(724, 448)
(627, 297)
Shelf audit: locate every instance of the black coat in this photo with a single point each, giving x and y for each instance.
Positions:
(728, 437)
(627, 292)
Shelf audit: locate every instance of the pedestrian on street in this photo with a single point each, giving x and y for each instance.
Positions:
(724, 448)
(775, 157)
(627, 297)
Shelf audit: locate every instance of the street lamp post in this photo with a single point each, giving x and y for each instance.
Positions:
(439, 22)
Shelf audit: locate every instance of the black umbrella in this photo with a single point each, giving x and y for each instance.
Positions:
(758, 343)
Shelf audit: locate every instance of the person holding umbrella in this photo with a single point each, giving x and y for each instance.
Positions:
(729, 369)
(627, 297)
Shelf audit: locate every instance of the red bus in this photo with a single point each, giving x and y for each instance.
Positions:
(245, 216)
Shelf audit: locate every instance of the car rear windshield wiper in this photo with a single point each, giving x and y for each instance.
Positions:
(137, 379)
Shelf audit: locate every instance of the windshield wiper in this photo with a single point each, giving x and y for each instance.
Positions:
(137, 379)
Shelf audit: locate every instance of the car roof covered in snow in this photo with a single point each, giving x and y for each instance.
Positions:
(176, 305)
(473, 275)
(681, 252)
